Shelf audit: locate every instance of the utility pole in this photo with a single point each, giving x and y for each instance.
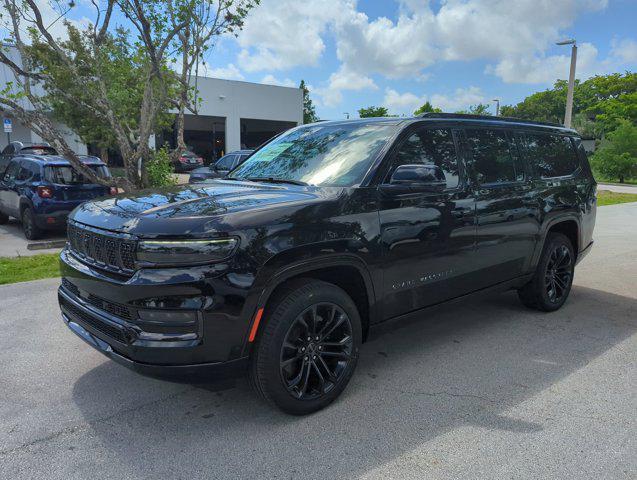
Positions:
(568, 115)
(497, 106)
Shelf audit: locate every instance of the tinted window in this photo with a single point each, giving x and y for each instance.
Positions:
(11, 172)
(8, 150)
(66, 175)
(552, 155)
(24, 173)
(430, 146)
(491, 153)
(226, 162)
(331, 154)
(39, 150)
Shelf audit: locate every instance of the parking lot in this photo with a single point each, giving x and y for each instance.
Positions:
(481, 389)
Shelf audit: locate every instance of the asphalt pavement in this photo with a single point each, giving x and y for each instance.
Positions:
(13, 243)
(480, 389)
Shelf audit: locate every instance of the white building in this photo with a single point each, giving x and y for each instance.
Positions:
(232, 115)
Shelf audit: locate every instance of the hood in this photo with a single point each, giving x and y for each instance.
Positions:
(192, 209)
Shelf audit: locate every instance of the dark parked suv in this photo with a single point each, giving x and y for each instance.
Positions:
(41, 190)
(283, 268)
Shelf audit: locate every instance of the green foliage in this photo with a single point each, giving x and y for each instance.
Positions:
(427, 107)
(617, 156)
(373, 112)
(478, 109)
(309, 113)
(122, 67)
(604, 99)
(160, 169)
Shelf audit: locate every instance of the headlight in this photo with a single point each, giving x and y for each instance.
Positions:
(184, 252)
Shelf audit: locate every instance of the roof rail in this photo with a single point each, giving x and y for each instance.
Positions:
(468, 116)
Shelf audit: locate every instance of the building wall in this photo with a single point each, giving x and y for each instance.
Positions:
(236, 100)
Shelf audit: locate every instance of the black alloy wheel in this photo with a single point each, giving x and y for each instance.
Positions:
(316, 351)
(558, 273)
(551, 284)
(29, 228)
(307, 346)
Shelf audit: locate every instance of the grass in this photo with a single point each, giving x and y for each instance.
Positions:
(606, 197)
(23, 269)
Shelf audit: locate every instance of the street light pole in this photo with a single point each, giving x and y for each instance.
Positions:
(568, 115)
(497, 106)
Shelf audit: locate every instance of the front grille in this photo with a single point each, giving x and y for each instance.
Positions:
(116, 309)
(78, 314)
(104, 250)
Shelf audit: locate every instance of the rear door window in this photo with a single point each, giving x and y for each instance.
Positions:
(551, 155)
(66, 175)
(39, 150)
(430, 146)
(11, 172)
(492, 156)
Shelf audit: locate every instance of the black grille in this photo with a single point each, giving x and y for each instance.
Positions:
(116, 309)
(78, 314)
(101, 249)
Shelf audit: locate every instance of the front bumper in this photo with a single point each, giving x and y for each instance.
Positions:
(201, 372)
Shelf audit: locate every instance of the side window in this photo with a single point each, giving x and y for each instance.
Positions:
(8, 150)
(430, 146)
(492, 156)
(24, 173)
(11, 172)
(551, 155)
(226, 163)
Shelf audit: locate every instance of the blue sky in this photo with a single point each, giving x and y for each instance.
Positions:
(400, 53)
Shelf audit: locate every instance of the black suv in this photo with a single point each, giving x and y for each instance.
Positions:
(283, 268)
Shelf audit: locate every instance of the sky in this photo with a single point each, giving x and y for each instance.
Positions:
(401, 53)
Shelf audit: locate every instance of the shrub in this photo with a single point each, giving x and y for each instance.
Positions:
(616, 158)
(160, 169)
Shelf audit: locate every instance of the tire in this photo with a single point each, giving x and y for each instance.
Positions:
(3, 218)
(287, 351)
(29, 227)
(551, 284)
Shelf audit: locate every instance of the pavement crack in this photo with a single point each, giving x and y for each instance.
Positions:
(83, 426)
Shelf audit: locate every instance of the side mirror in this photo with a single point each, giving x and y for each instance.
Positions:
(418, 178)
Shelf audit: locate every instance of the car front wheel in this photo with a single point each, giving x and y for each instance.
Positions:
(308, 347)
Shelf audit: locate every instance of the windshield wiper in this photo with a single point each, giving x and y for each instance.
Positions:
(274, 180)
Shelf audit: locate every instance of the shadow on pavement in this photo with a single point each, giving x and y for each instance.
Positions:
(463, 365)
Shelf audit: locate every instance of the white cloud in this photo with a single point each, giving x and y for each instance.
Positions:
(624, 50)
(272, 80)
(229, 72)
(459, 100)
(343, 79)
(405, 103)
(402, 103)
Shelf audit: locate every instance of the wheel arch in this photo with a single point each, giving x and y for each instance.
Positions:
(568, 225)
(345, 271)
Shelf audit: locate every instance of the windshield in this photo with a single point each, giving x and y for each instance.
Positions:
(39, 150)
(65, 175)
(329, 155)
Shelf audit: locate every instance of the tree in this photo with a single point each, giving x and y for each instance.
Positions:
(427, 107)
(373, 112)
(478, 109)
(617, 156)
(603, 99)
(83, 73)
(309, 113)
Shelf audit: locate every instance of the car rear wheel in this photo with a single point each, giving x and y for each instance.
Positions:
(29, 227)
(3, 218)
(308, 347)
(551, 284)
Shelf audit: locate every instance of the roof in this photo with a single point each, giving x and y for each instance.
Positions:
(59, 160)
(461, 117)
